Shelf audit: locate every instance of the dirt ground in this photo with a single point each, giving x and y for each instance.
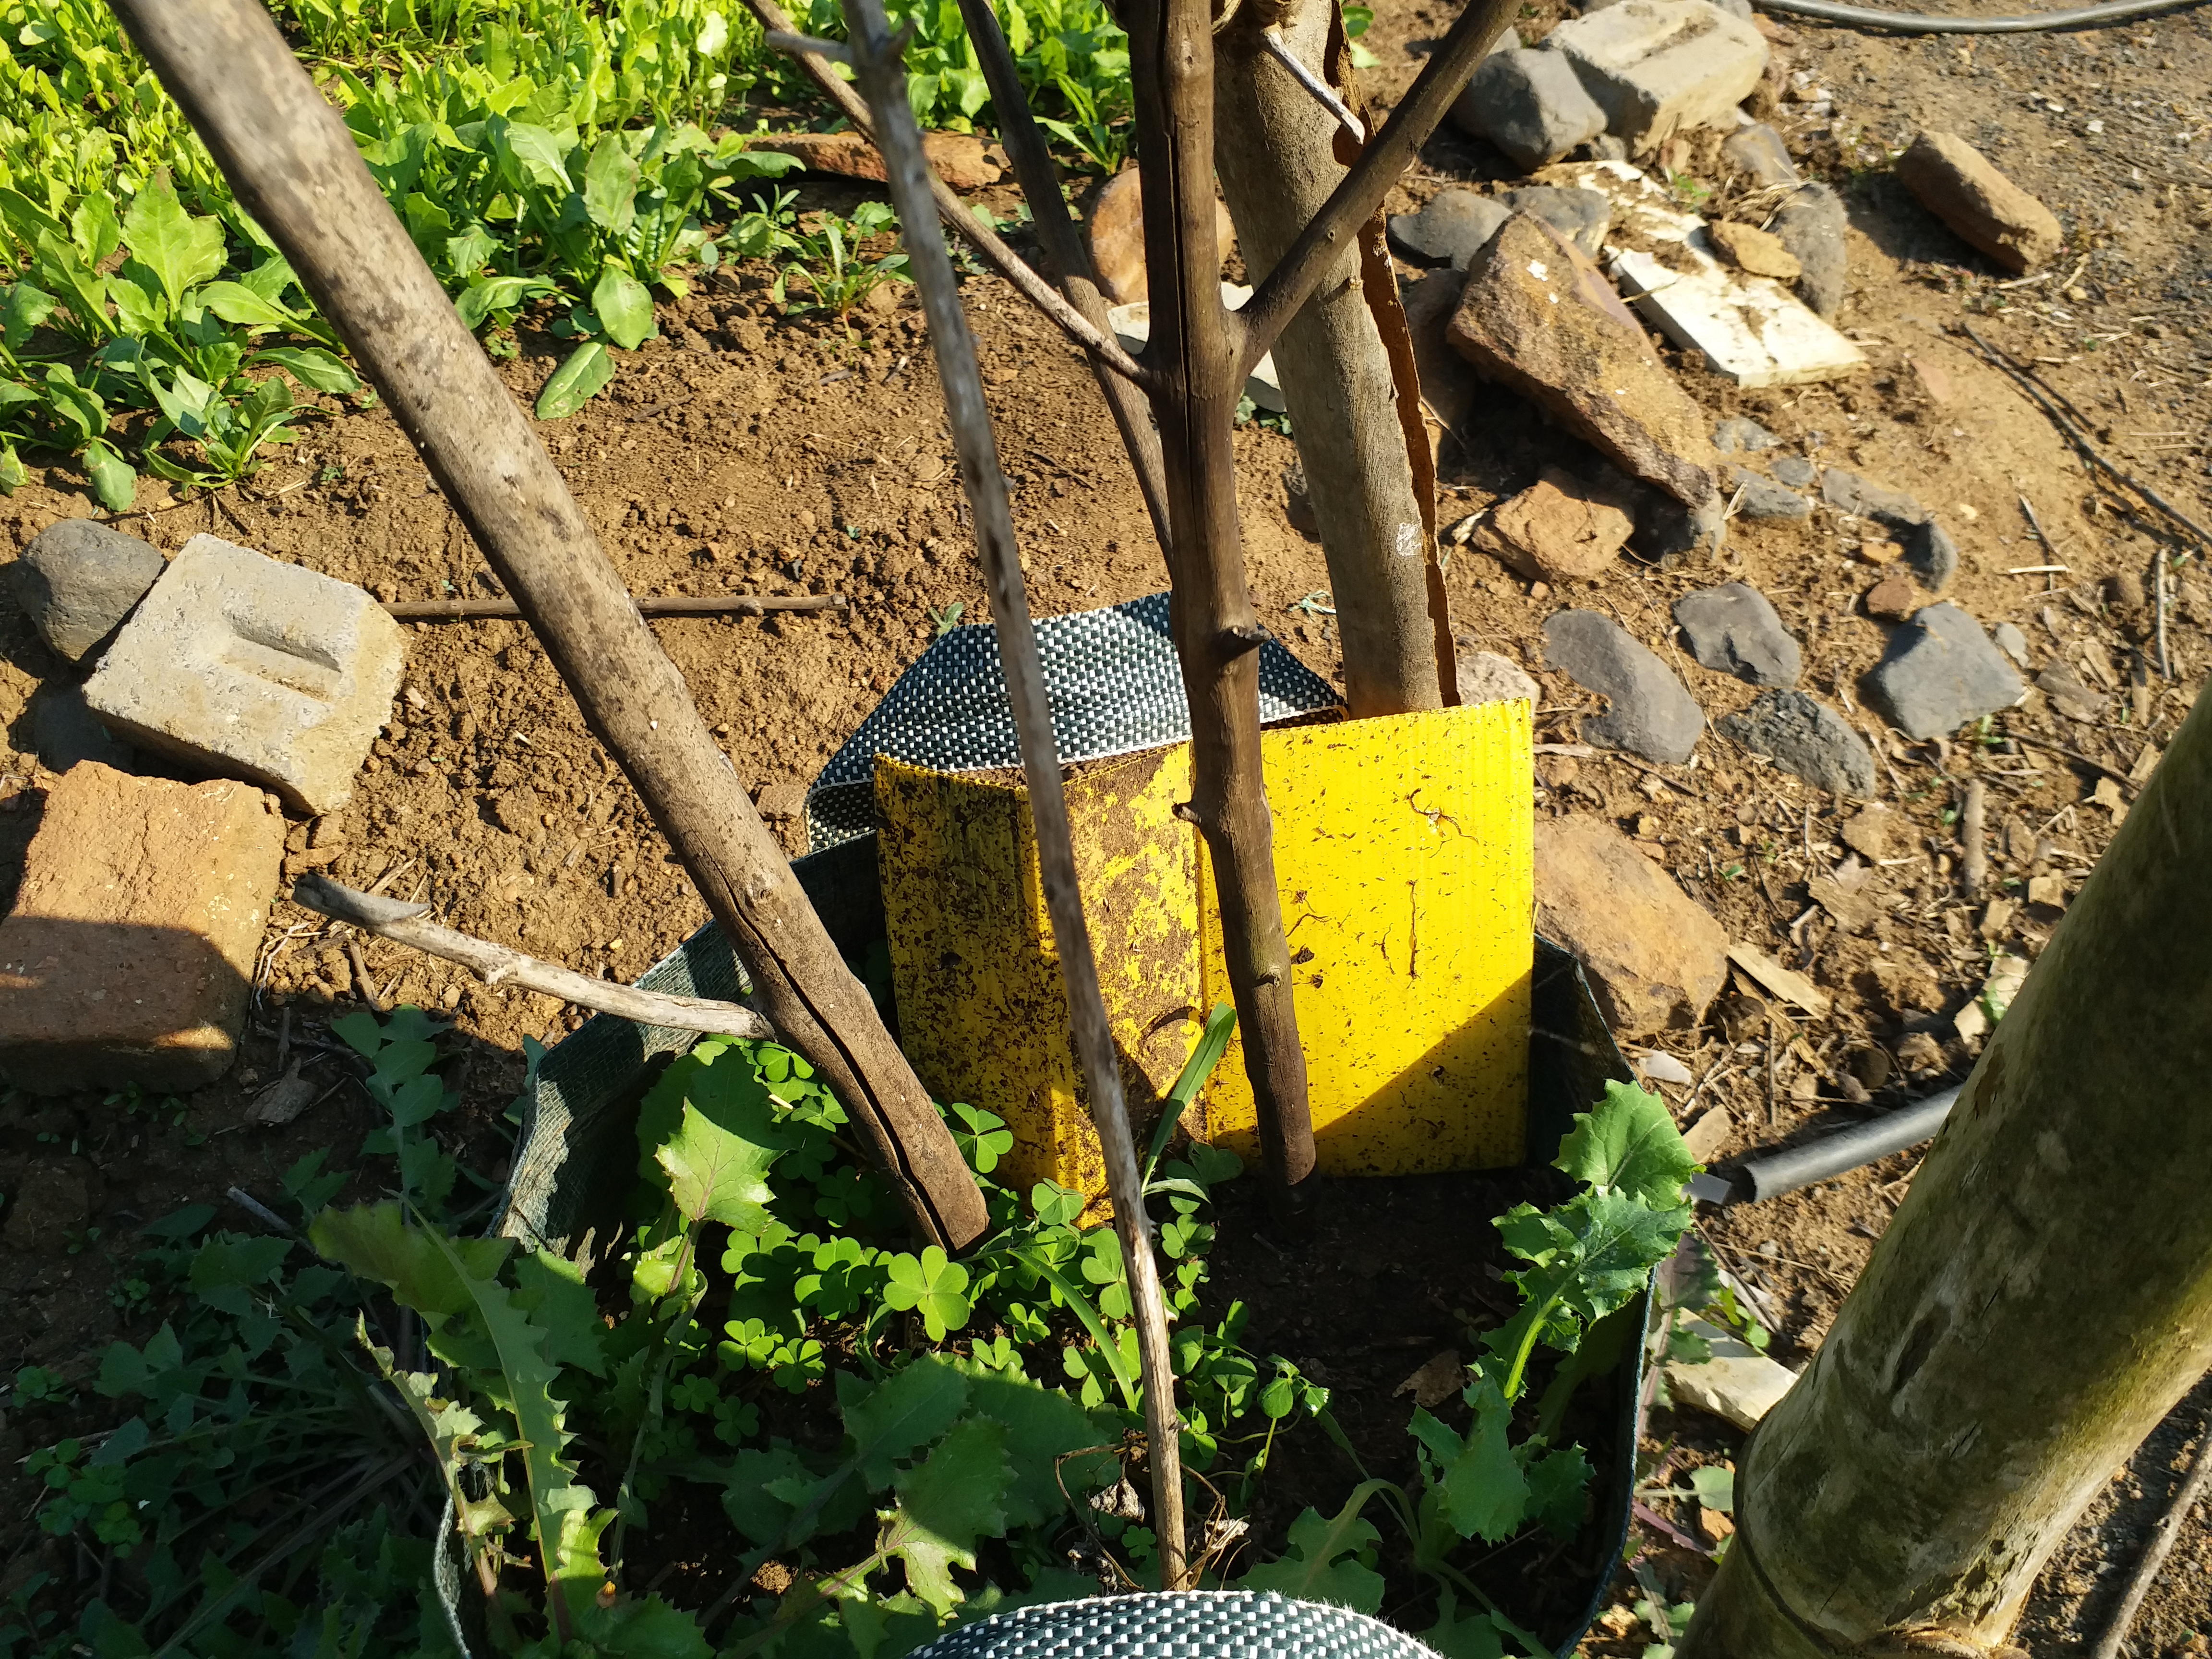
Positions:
(750, 451)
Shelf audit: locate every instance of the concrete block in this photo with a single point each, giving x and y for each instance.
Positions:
(130, 953)
(268, 672)
(1657, 66)
(78, 579)
(1532, 105)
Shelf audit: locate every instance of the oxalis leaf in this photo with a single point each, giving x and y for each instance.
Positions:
(587, 370)
(933, 1285)
(1329, 1557)
(945, 1504)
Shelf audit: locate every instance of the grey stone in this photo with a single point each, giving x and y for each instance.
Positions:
(1651, 715)
(1666, 529)
(1298, 501)
(1733, 630)
(1531, 104)
(1811, 225)
(1655, 67)
(254, 668)
(1451, 229)
(1796, 469)
(1863, 498)
(1736, 433)
(78, 579)
(1933, 555)
(1800, 736)
(1485, 677)
(2067, 694)
(1582, 216)
(1758, 152)
(2011, 641)
(67, 731)
(1940, 671)
(1606, 148)
(1763, 498)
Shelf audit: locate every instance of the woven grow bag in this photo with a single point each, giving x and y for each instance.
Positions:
(577, 1152)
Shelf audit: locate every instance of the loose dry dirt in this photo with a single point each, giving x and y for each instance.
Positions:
(752, 452)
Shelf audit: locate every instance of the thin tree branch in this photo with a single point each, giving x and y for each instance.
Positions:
(1065, 248)
(2155, 1552)
(1325, 240)
(882, 74)
(494, 964)
(1100, 342)
(673, 604)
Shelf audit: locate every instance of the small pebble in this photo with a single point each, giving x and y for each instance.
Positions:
(1795, 472)
(2011, 641)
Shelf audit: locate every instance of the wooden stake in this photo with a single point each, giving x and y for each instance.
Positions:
(295, 167)
(876, 61)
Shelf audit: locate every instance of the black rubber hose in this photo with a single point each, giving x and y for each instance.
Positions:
(1921, 22)
(1775, 1173)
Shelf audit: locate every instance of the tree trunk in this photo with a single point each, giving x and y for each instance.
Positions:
(2039, 1302)
(1193, 348)
(1367, 469)
(295, 167)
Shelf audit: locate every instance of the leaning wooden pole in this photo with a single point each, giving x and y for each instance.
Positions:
(1194, 351)
(881, 71)
(294, 165)
(2041, 1300)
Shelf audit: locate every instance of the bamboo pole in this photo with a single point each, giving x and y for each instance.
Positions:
(295, 167)
(877, 62)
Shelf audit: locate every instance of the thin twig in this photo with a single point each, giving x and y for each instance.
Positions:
(2111, 771)
(1271, 39)
(953, 211)
(1066, 249)
(2158, 603)
(2155, 1552)
(882, 75)
(674, 605)
(494, 964)
(363, 981)
(1974, 868)
(1328, 237)
(2033, 383)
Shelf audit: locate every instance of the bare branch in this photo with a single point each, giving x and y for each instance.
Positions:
(1270, 38)
(1100, 342)
(883, 75)
(494, 964)
(673, 604)
(1065, 247)
(1323, 242)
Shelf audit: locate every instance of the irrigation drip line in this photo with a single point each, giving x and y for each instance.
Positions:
(1921, 22)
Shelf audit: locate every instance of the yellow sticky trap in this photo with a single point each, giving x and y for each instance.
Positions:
(983, 1014)
(1404, 855)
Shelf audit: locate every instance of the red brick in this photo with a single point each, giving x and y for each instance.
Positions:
(129, 956)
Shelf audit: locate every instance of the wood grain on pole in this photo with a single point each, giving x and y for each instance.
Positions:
(882, 73)
(294, 165)
(494, 964)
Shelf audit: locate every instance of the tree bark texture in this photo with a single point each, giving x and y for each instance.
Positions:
(2041, 1300)
(1193, 348)
(295, 167)
(1369, 472)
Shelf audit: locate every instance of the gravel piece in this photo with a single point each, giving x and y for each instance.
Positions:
(1736, 433)
(1956, 182)
(1941, 671)
(1763, 498)
(1734, 629)
(1796, 469)
(1531, 104)
(1800, 736)
(1582, 216)
(1451, 230)
(79, 579)
(1811, 225)
(2011, 641)
(1485, 677)
(1652, 715)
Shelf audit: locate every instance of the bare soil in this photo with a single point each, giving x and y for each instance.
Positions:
(748, 451)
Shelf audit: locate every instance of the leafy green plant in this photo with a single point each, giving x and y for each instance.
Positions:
(1586, 1260)
(829, 265)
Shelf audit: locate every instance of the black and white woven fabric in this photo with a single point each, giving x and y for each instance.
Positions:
(1114, 685)
(1191, 1625)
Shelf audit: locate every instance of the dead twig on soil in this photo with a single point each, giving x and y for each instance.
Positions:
(496, 965)
(295, 167)
(2070, 423)
(1099, 341)
(2155, 1552)
(363, 981)
(673, 604)
(1974, 869)
(878, 62)
(2111, 771)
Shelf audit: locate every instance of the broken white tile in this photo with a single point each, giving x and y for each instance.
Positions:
(1738, 1383)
